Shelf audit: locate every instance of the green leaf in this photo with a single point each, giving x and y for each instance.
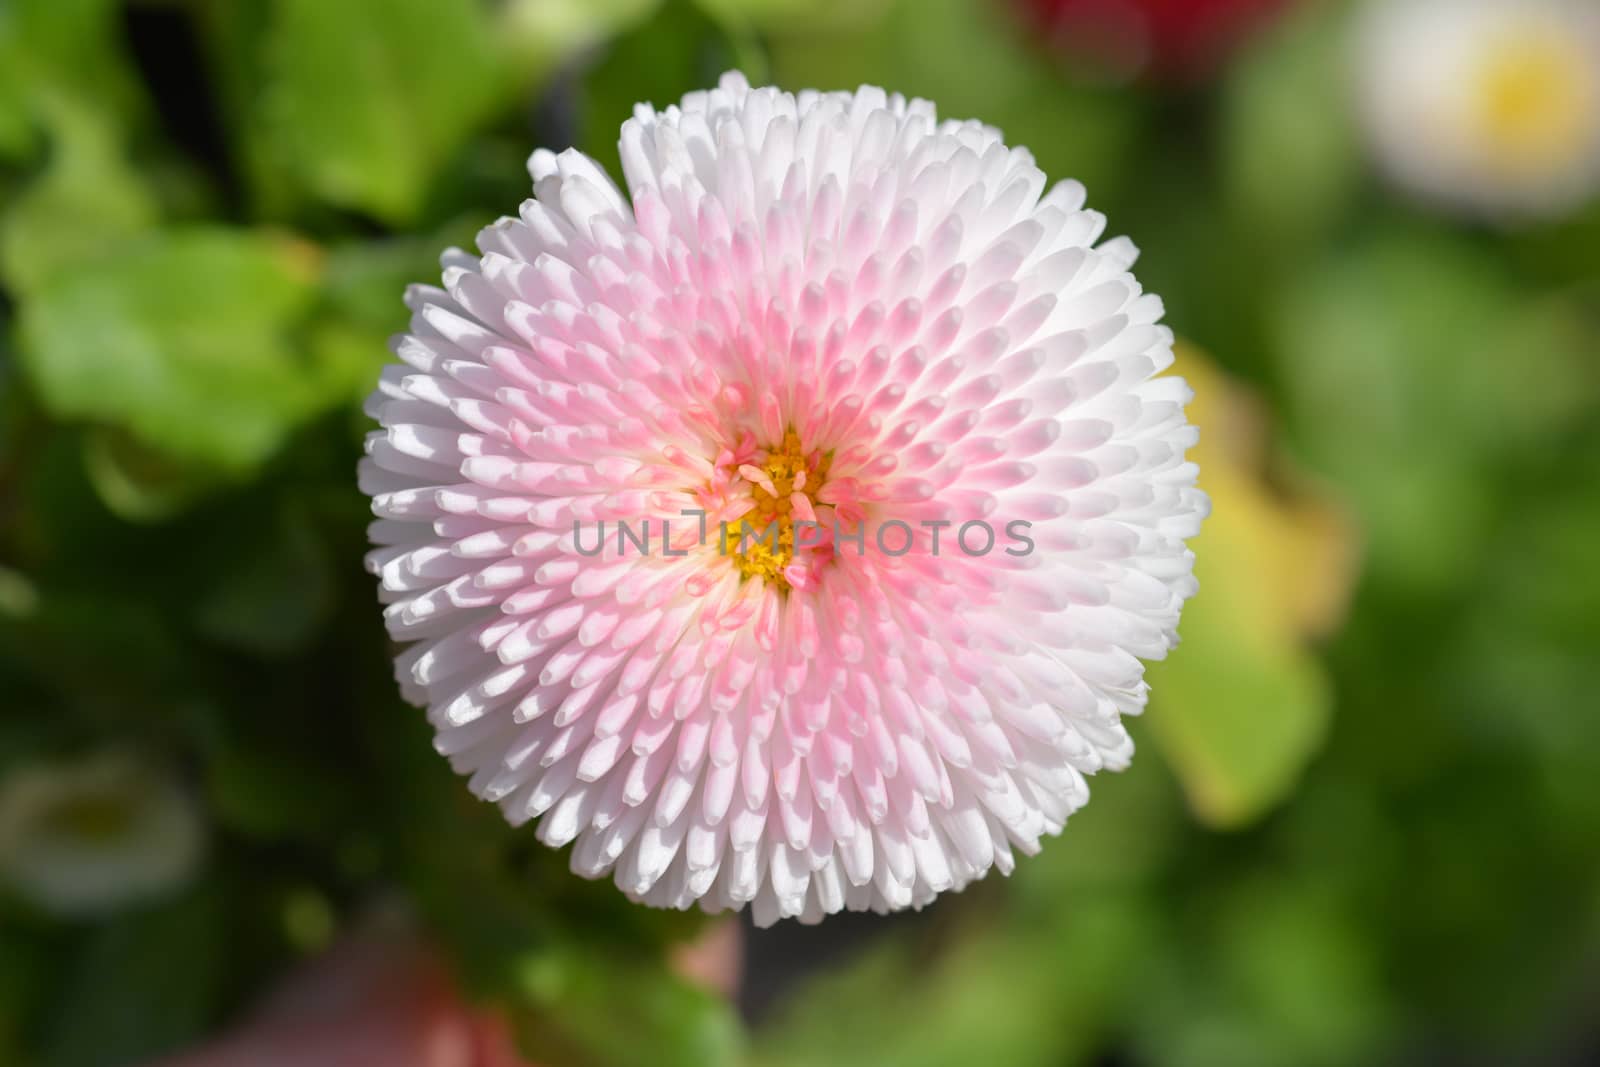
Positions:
(799, 15)
(964, 55)
(63, 65)
(368, 99)
(1413, 365)
(1237, 718)
(543, 33)
(28, 970)
(16, 129)
(234, 37)
(364, 282)
(87, 201)
(1527, 636)
(572, 998)
(679, 49)
(143, 985)
(139, 669)
(1275, 972)
(259, 783)
(1032, 991)
(136, 483)
(363, 287)
(53, 49)
(184, 340)
(1241, 705)
(276, 595)
(1289, 178)
(18, 597)
(1121, 842)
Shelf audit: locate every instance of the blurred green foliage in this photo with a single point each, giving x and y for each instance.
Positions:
(1354, 836)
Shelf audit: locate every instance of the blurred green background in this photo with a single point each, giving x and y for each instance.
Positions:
(1364, 826)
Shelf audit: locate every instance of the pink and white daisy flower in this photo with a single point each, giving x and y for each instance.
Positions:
(856, 329)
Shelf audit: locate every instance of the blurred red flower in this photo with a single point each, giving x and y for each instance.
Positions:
(382, 998)
(371, 1001)
(1168, 39)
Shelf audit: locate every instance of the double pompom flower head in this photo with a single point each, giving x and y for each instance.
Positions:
(789, 530)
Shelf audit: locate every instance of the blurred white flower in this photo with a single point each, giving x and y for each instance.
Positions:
(1490, 106)
(85, 838)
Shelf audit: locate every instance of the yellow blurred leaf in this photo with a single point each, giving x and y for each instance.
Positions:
(1243, 705)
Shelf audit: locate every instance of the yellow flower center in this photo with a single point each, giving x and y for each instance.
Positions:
(766, 547)
(92, 817)
(1534, 100)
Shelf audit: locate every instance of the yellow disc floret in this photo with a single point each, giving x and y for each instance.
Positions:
(763, 544)
(1535, 97)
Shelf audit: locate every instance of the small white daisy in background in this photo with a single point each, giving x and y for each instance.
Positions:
(855, 326)
(85, 838)
(1488, 106)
